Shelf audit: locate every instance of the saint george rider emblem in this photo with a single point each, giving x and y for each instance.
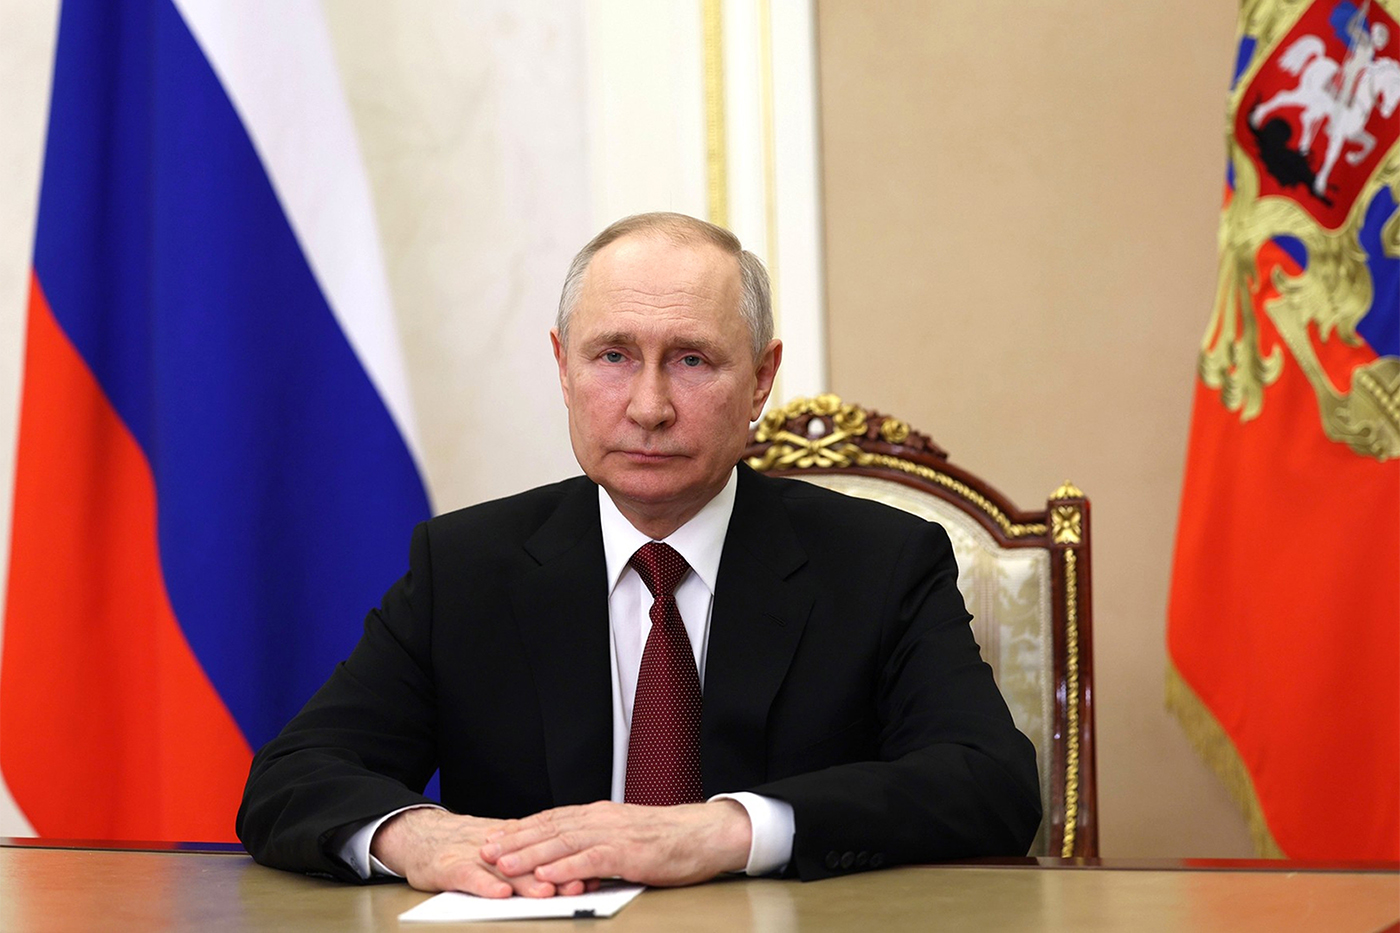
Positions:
(1310, 235)
(1320, 111)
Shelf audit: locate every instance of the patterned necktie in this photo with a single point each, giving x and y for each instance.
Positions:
(663, 753)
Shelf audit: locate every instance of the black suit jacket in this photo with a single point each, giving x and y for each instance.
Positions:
(841, 676)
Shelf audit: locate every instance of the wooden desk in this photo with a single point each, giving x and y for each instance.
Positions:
(52, 889)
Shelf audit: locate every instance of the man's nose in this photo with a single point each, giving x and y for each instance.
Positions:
(649, 405)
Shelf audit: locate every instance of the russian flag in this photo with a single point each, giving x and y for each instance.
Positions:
(1283, 622)
(216, 473)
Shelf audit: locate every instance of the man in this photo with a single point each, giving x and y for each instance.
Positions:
(789, 672)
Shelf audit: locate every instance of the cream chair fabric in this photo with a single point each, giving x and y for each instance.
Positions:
(1025, 576)
(1007, 590)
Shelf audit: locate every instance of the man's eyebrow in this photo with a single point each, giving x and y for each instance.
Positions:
(625, 338)
(622, 337)
(703, 344)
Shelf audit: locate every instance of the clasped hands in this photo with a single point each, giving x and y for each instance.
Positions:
(567, 850)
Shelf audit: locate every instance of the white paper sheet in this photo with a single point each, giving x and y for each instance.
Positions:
(452, 907)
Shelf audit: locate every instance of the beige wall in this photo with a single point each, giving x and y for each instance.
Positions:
(1021, 203)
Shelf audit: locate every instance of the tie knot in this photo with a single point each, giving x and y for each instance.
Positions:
(660, 566)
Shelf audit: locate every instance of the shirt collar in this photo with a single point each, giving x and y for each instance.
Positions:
(700, 541)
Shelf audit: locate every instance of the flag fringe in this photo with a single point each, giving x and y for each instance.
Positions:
(1219, 753)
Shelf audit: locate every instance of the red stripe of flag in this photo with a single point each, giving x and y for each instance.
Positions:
(146, 749)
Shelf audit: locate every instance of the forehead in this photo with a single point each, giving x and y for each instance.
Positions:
(645, 282)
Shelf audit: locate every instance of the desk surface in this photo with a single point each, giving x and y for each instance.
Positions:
(95, 890)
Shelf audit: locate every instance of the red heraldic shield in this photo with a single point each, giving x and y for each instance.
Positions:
(1284, 616)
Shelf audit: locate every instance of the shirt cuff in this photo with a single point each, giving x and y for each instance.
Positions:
(355, 851)
(773, 827)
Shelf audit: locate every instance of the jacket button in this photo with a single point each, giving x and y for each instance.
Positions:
(848, 860)
(833, 860)
(862, 859)
(877, 860)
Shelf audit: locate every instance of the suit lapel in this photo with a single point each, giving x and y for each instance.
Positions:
(562, 610)
(759, 613)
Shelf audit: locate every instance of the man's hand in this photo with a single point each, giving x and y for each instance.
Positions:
(661, 846)
(441, 851)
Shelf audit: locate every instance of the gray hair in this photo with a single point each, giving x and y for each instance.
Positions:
(756, 298)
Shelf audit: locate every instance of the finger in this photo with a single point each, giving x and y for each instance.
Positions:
(482, 880)
(526, 885)
(483, 884)
(578, 826)
(530, 886)
(572, 888)
(524, 833)
(587, 864)
(522, 861)
(511, 842)
(463, 876)
(542, 848)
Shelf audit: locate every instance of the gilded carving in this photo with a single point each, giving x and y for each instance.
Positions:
(821, 432)
(894, 430)
(1066, 524)
(1010, 528)
(1071, 702)
(826, 404)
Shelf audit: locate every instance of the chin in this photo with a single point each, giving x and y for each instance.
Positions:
(649, 485)
(645, 490)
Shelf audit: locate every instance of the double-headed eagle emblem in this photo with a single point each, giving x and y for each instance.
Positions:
(1310, 235)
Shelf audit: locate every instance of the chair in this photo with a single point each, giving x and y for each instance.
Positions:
(1024, 575)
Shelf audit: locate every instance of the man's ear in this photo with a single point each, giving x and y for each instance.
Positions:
(561, 358)
(764, 373)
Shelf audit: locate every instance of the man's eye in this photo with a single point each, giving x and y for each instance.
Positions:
(612, 356)
(690, 359)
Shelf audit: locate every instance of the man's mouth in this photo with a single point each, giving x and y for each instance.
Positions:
(648, 456)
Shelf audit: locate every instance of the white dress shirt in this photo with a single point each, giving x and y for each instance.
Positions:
(701, 542)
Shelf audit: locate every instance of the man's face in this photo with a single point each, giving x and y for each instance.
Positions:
(659, 377)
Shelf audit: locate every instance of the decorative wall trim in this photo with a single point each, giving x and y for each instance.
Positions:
(716, 139)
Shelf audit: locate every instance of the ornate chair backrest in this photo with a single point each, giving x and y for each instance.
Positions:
(1024, 575)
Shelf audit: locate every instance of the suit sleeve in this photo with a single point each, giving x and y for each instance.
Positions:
(953, 777)
(361, 747)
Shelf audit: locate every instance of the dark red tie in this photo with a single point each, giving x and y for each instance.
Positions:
(663, 754)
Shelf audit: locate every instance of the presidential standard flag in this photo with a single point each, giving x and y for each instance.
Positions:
(1284, 616)
(215, 473)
